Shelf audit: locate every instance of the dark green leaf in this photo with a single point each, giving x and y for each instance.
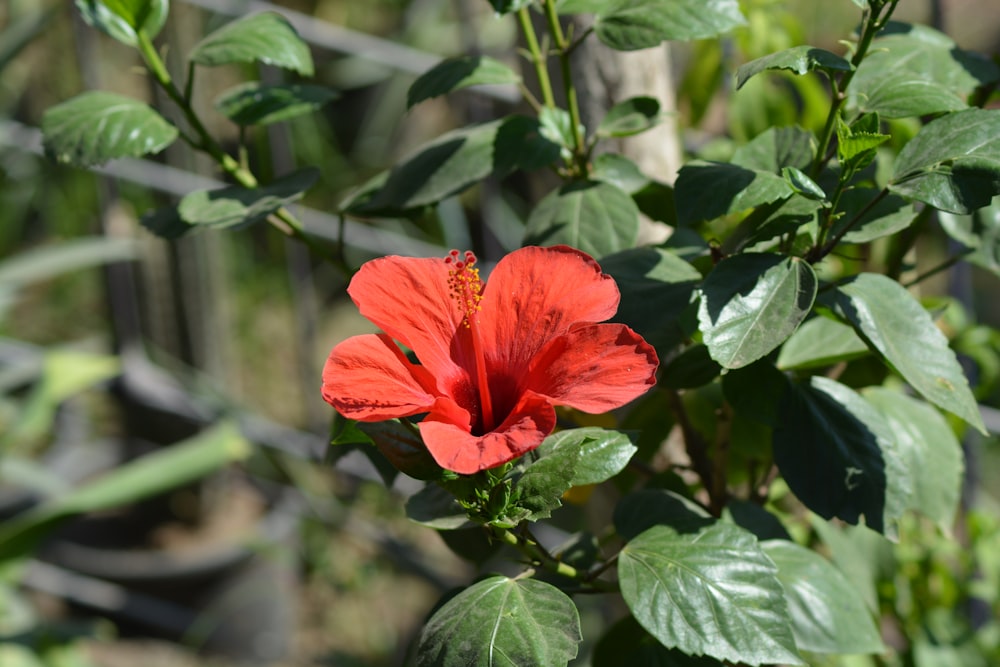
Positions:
(839, 456)
(827, 615)
(457, 73)
(627, 643)
(436, 508)
(692, 368)
(777, 148)
(798, 59)
(630, 117)
(539, 488)
(889, 215)
(255, 103)
(401, 444)
(502, 621)
(266, 37)
(708, 190)
(95, 127)
(887, 316)
(802, 184)
(603, 453)
(165, 222)
(930, 450)
(656, 289)
(751, 303)
(124, 19)
(953, 163)
(238, 206)
(755, 392)
(755, 518)
(641, 510)
(821, 342)
(629, 25)
(598, 218)
(980, 232)
(916, 73)
(710, 592)
(507, 6)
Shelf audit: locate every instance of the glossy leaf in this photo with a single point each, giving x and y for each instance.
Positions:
(598, 218)
(708, 190)
(839, 456)
(629, 25)
(798, 59)
(931, 452)
(710, 592)
(802, 184)
(95, 127)
(889, 215)
(141, 478)
(827, 615)
(539, 488)
(656, 289)
(266, 37)
(501, 621)
(777, 148)
(953, 163)
(821, 342)
(751, 303)
(641, 510)
(917, 71)
(236, 206)
(124, 19)
(630, 117)
(886, 315)
(254, 103)
(603, 453)
(457, 73)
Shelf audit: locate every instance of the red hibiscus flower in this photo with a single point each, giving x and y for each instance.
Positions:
(494, 359)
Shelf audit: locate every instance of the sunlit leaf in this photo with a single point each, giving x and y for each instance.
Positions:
(457, 73)
(598, 218)
(266, 37)
(603, 452)
(630, 117)
(821, 342)
(708, 190)
(254, 103)
(236, 206)
(124, 19)
(798, 59)
(628, 25)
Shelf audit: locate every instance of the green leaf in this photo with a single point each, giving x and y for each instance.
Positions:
(603, 452)
(618, 170)
(630, 117)
(254, 103)
(95, 127)
(708, 190)
(839, 457)
(538, 489)
(777, 148)
(692, 368)
(556, 125)
(641, 510)
(931, 452)
(827, 615)
(953, 163)
(755, 392)
(597, 218)
(751, 303)
(457, 73)
(980, 232)
(124, 19)
(656, 289)
(266, 37)
(856, 149)
(864, 556)
(889, 215)
(144, 477)
(238, 206)
(798, 59)
(917, 71)
(802, 185)
(401, 444)
(886, 315)
(436, 508)
(627, 643)
(502, 621)
(820, 342)
(709, 592)
(507, 6)
(457, 160)
(629, 25)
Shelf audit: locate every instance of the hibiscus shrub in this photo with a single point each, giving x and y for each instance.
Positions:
(764, 376)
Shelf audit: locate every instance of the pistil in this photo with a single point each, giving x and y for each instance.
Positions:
(466, 288)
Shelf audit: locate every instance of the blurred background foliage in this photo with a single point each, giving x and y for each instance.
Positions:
(242, 322)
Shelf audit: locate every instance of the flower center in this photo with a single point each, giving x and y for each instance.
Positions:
(466, 289)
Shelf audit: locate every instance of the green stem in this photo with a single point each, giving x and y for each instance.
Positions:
(540, 557)
(537, 58)
(564, 48)
(943, 266)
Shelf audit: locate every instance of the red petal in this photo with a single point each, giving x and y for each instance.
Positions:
(454, 448)
(409, 299)
(535, 294)
(594, 368)
(368, 378)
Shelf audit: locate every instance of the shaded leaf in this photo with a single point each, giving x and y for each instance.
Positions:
(629, 25)
(238, 206)
(656, 289)
(597, 218)
(827, 615)
(711, 592)
(708, 190)
(457, 73)
(628, 643)
(436, 508)
(618, 170)
(603, 453)
(980, 232)
(539, 488)
(953, 163)
(95, 127)
(821, 342)
(755, 518)
(630, 117)
(930, 450)
(507, 6)
(641, 510)
(798, 59)
(502, 621)
(690, 369)
(266, 37)
(889, 215)
(751, 303)
(886, 315)
(254, 103)
(777, 148)
(402, 446)
(124, 19)
(838, 455)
